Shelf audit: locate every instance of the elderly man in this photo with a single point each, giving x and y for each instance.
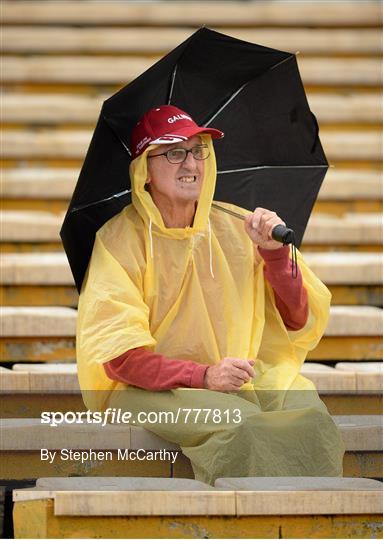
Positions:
(185, 308)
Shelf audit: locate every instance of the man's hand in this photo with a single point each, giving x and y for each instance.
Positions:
(229, 375)
(259, 226)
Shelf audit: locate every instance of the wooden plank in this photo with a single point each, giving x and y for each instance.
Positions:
(195, 13)
(50, 39)
(82, 69)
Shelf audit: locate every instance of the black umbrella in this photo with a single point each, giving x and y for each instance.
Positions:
(270, 156)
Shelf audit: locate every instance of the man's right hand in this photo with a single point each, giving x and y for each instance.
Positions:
(229, 375)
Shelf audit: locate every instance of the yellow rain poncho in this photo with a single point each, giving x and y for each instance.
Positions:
(199, 293)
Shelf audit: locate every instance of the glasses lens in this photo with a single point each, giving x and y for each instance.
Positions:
(200, 152)
(177, 155)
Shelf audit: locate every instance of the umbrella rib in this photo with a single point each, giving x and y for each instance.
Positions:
(241, 88)
(172, 84)
(115, 196)
(274, 167)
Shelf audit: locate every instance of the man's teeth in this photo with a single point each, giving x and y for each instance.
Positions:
(187, 179)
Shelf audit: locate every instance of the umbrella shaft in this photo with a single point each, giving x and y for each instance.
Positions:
(228, 211)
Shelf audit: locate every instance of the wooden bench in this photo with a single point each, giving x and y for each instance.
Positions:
(168, 508)
(23, 438)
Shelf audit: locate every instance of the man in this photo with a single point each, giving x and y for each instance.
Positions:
(180, 296)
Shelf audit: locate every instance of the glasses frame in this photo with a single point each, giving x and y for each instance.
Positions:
(186, 154)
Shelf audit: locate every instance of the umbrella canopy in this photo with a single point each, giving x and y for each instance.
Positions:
(271, 155)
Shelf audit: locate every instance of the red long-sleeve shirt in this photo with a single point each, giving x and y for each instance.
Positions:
(153, 371)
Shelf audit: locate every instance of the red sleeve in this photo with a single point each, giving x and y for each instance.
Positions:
(153, 371)
(290, 294)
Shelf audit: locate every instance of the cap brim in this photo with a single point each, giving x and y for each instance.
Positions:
(185, 134)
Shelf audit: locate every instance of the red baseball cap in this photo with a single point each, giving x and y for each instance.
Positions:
(166, 125)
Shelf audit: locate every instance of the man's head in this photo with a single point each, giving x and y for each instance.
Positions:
(176, 167)
(166, 125)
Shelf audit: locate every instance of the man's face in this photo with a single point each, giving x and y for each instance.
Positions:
(179, 183)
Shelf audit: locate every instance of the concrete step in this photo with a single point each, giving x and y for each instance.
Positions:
(59, 183)
(348, 229)
(359, 433)
(352, 229)
(45, 109)
(123, 69)
(339, 268)
(73, 143)
(29, 389)
(50, 377)
(47, 334)
(23, 438)
(60, 321)
(235, 507)
(27, 39)
(66, 295)
(277, 13)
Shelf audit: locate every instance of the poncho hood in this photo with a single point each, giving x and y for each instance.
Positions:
(143, 202)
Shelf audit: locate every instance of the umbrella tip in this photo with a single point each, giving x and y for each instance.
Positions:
(298, 52)
(332, 166)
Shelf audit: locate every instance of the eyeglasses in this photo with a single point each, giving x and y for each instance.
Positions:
(179, 155)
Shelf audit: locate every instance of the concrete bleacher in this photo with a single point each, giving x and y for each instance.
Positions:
(22, 439)
(61, 60)
(274, 507)
(28, 389)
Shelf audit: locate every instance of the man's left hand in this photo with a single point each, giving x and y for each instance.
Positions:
(259, 226)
